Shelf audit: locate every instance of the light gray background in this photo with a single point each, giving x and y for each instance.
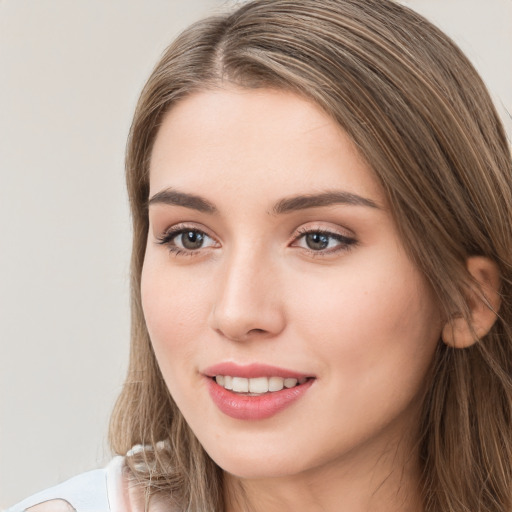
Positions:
(70, 74)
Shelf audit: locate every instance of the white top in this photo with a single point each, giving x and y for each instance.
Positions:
(100, 490)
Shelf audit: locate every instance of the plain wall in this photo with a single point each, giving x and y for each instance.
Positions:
(70, 74)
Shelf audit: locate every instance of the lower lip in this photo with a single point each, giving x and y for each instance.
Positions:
(243, 407)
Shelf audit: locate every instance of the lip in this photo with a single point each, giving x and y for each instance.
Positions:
(251, 371)
(245, 407)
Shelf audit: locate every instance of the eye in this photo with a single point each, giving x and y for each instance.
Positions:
(186, 240)
(322, 241)
(190, 240)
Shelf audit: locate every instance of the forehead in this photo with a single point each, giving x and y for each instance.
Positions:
(264, 141)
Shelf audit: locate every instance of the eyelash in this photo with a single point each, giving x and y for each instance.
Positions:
(345, 243)
(167, 238)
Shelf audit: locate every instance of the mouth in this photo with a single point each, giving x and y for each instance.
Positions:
(255, 392)
(258, 386)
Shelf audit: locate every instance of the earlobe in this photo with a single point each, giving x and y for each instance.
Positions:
(483, 301)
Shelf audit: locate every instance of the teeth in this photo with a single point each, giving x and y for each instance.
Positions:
(228, 382)
(290, 383)
(275, 383)
(258, 385)
(240, 385)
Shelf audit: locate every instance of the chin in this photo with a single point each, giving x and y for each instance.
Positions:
(262, 465)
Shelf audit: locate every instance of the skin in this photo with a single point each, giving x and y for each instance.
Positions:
(359, 317)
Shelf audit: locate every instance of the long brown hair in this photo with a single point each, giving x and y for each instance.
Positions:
(421, 116)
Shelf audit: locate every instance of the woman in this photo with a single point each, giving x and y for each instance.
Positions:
(321, 196)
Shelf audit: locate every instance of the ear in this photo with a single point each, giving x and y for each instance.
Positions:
(483, 301)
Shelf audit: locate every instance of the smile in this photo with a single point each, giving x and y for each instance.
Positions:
(256, 391)
(258, 385)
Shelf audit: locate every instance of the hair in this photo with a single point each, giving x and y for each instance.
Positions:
(422, 118)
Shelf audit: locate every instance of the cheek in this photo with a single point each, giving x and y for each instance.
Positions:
(174, 316)
(375, 320)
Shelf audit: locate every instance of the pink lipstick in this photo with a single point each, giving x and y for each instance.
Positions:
(255, 391)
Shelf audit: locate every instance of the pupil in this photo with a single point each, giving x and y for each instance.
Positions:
(317, 241)
(192, 240)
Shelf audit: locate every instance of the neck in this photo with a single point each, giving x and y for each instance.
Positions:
(385, 480)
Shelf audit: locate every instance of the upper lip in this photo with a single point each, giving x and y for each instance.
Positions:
(252, 370)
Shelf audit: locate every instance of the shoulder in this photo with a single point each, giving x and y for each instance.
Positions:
(101, 490)
(52, 506)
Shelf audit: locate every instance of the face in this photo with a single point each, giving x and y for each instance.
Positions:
(273, 267)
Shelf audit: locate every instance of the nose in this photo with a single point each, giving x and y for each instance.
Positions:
(248, 303)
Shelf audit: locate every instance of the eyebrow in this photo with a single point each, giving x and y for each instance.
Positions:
(303, 202)
(173, 197)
